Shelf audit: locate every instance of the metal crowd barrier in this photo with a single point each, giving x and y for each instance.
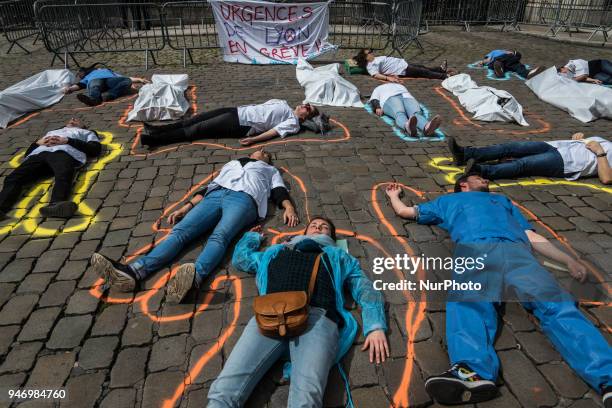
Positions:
(17, 22)
(361, 24)
(407, 24)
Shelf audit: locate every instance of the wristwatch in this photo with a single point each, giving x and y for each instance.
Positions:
(604, 154)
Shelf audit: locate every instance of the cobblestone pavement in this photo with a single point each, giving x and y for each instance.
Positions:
(114, 350)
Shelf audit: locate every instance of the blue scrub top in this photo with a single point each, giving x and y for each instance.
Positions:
(99, 73)
(493, 55)
(475, 217)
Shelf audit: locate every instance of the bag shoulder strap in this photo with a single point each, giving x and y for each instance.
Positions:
(313, 276)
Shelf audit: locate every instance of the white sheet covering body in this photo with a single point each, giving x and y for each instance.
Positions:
(585, 102)
(324, 86)
(485, 103)
(36, 92)
(162, 99)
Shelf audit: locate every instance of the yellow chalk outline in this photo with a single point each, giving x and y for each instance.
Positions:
(453, 171)
(85, 181)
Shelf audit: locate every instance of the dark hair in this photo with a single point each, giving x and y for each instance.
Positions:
(332, 227)
(84, 71)
(463, 178)
(362, 58)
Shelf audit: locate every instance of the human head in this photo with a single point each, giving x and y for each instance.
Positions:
(563, 70)
(363, 57)
(305, 111)
(262, 155)
(472, 181)
(321, 225)
(76, 122)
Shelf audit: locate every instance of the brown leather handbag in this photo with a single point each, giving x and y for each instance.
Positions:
(285, 314)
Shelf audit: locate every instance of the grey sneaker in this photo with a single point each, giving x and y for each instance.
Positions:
(114, 273)
(180, 283)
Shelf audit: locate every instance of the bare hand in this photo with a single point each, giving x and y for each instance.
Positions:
(597, 81)
(177, 215)
(247, 141)
(377, 343)
(595, 147)
(577, 270)
(379, 111)
(393, 190)
(66, 90)
(393, 78)
(258, 229)
(42, 141)
(578, 136)
(290, 217)
(56, 140)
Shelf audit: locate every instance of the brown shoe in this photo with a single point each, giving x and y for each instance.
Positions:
(180, 283)
(411, 126)
(498, 68)
(432, 126)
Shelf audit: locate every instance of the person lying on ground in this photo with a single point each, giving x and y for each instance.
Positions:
(234, 200)
(59, 154)
(392, 69)
(395, 101)
(570, 159)
(598, 71)
(330, 329)
(103, 85)
(249, 123)
(488, 226)
(502, 61)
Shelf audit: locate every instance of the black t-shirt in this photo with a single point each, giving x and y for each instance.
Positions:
(291, 269)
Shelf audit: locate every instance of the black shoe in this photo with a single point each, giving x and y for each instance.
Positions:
(444, 65)
(61, 209)
(147, 140)
(607, 396)
(116, 274)
(456, 151)
(471, 167)
(460, 385)
(498, 68)
(87, 100)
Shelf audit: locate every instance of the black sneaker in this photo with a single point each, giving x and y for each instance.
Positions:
(471, 167)
(181, 283)
(456, 151)
(116, 274)
(460, 385)
(535, 71)
(88, 100)
(498, 68)
(606, 396)
(61, 209)
(147, 140)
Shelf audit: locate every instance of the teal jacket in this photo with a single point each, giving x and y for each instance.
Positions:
(346, 271)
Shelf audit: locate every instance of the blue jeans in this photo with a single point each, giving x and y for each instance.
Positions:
(114, 87)
(227, 211)
(471, 326)
(603, 71)
(312, 356)
(400, 109)
(532, 159)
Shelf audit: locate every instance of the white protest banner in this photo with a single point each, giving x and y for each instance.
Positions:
(259, 32)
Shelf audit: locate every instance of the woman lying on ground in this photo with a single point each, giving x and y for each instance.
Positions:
(597, 71)
(395, 101)
(330, 328)
(250, 123)
(234, 200)
(392, 69)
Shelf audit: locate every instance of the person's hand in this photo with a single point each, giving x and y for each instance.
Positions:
(56, 140)
(377, 343)
(379, 112)
(595, 147)
(393, 78)
(393, 190)
(577, 270)
(258, 229)
(66, 90)
(578, 136)
(177, 215)
(42, 141)
(597, 81)
(247, 141)
(145, 81)
(290, 217)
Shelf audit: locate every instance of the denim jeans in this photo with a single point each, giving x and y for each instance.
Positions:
(114, 87)
(511, 62)
(227, 211)
(400, 109)
(603, 71)
(312, 356)
(531, 159)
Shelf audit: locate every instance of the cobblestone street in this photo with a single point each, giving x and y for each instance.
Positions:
(114, 350)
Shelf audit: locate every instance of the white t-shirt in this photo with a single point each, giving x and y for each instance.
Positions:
(71, 133)
(386, 91)
(387, 66)
(273, 114)
(578, 67)
(578, 161)
(257, 179)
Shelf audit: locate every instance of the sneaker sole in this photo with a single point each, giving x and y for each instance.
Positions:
(180, 284)
(87, 101)
(434, 124)
(62, 210)
(105, 269)
(450, 392)
(412, 126)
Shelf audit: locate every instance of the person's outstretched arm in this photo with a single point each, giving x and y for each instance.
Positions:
(393, 191)
(139, 80)
(544, 247)
(604, 172)
(267, 135)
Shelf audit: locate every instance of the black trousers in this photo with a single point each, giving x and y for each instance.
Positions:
(220, 123)
(39, 167)
(421, 71)
(512, 62)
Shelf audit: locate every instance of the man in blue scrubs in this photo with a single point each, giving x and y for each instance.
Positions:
(102, 84)
(488, 225)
